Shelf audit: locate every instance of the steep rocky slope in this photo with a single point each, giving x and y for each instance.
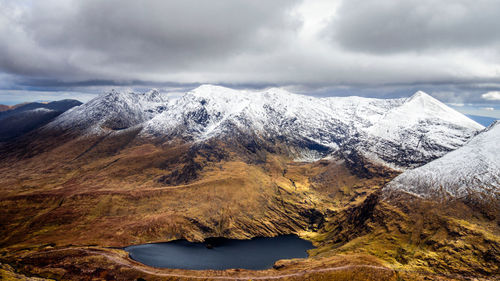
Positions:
(470, 171)
(441, 217)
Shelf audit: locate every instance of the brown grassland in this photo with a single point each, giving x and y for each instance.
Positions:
(67, 210)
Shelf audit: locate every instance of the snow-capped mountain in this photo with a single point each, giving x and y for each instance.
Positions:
(472, 170)
(211, 111)
(111, 111)
(399, 133)
(417, 131)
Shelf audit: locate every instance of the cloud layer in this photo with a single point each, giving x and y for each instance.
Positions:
(132, 40)
(450, 48)
(492, 96)
(388, 27)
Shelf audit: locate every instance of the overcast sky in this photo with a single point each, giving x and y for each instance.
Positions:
(55, 49)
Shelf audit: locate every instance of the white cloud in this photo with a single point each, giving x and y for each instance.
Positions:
(493, 95)
(488, 108)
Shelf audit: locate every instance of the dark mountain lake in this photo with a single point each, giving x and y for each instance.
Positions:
(258, 253)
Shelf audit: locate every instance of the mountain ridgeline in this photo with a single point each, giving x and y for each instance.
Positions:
(399, 133)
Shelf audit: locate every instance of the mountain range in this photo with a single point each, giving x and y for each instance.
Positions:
(312, 128)
(409, 184)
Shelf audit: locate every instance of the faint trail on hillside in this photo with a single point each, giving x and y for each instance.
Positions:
(124, 262)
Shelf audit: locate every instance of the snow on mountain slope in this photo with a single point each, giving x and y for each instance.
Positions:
(473, 169)
(359, 111)
(419, 109)
(113, 111)
(210, 111)
(272, 111)
(400, 133)
(422, 126)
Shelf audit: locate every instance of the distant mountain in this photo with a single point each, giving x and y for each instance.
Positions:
(399, 133)
(61, 106)
(4, 107)
(470, 171)
(483, 120)
(26, 117)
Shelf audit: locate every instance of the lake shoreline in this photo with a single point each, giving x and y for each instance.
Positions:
(220, 253)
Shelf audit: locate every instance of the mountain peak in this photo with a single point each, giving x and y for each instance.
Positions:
(423, 98)
(112, 92)
(420, 94)
(153, 92)
(111, 95)
(209, 88)
(213, 91)
(275, 91)
(422, 104)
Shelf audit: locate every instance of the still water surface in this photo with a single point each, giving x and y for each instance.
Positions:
(258, 253)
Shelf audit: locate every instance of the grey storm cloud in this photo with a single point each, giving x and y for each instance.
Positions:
(80, 37)
(371, 47)
(388, 26)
